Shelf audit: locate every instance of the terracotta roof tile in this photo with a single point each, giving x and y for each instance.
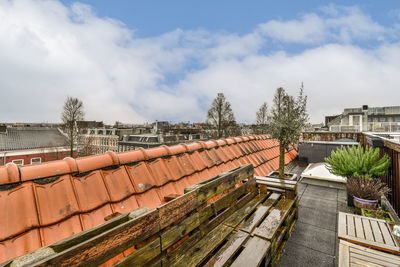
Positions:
(126, 205)
(95, 217)
(20, 245)
(91, 191)
(18, 211)
(166, 190)
(56, 232)
(149, 199)
(118, 184)
(140, 177)
(175, 167)
(206, 158)
(56, 200)
(9, 174)
(160, 171)
(83, 192)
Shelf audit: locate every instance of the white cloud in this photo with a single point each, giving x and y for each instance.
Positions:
(49, 51)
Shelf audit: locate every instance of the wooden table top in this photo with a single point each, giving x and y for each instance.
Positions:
(370, 232)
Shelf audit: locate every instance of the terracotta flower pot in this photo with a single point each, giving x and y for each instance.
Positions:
(365, 203)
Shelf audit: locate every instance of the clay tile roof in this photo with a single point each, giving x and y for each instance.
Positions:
(42, 204)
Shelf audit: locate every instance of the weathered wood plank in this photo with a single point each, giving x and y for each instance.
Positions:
(342, 224)
(359, 227)
(276, 180)
(351, 226)
(215, 186)
(363, 256)
(344, 255)
(143, 223)
(387, 236)
(255, 251)
(240, 214)
(176, 232)
(224, 255)
(199, 252)
(177, 208)
(143, 255)
(262, 210)
(367, 229)
(268, 228)
(377, 231)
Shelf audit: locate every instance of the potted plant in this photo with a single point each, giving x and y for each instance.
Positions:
(366, 191)
(357, 161)
(286, 121)
(379, 213)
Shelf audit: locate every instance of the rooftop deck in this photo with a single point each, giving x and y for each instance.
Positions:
(314, 240)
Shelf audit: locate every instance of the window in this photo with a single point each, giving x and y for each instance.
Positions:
(369, 119)
(36, 160)
(390, 119)
(375, 119)
(382, 119)
(398, 118)
(18, 162)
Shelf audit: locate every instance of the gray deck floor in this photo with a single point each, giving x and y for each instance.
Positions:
(313, 241)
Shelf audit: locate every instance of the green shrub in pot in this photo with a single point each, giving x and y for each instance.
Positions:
(357, 161)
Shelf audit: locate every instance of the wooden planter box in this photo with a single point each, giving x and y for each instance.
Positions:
(275, 174)
(364, 213)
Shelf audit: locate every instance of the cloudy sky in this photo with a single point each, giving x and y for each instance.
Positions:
(133, 61)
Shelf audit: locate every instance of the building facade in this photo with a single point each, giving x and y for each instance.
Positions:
(99, 140)
(372, 119)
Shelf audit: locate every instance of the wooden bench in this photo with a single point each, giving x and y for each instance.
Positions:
(370, 232)
(355, 255)
(224, 220)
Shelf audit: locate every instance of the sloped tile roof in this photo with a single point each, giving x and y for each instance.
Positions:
(19, 138)
(44, 203)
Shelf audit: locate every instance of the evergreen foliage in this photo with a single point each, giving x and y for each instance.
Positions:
(287, 119)
(358, 161)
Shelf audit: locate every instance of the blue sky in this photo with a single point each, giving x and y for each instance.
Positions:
(137, 61)
(150, 18)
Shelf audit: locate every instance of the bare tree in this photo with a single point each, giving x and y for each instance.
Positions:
(220, 116)
(262, 118)
(287, 120)
(72, 112)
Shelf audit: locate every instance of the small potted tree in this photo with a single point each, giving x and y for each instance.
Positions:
(361, 166)
(286, 121)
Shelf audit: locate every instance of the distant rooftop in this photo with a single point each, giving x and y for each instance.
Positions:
(19, 138)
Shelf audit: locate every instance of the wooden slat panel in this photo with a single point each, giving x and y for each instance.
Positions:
(376, 231)
(249, 225)
(178, 231)
(240, 214)
(196, 254)
(350, 226)
(255, 251)
(94, 251)
(359, 227)
(224, 255)
(342, 224)
(344, 255)
(218, 184)
(367, 229)
(268, 228)
(387, 236)
(361, 256)
(141, 256)
(383, 239)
